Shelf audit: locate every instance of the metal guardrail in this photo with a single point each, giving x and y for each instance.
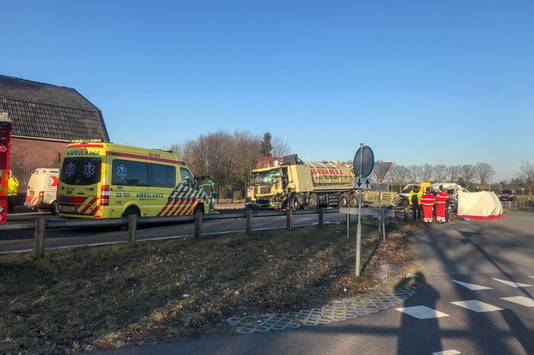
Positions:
(80, 223)
(518, 204)
(27, 216)
(40, 225)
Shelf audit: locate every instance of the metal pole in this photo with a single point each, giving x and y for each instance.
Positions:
(198, 224)
(248, 226)
(348, 225)
(379, 209)
(359, 228)
(39, 237)
(321, 217)
(358, 235)
(383, 226)
(132, 228)
(288, 219)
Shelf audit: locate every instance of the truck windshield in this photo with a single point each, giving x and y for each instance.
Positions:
(266, 177)
(81, 170)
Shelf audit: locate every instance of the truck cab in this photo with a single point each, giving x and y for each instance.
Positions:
(267, 187)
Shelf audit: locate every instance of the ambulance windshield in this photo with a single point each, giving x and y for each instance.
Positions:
(81, 170)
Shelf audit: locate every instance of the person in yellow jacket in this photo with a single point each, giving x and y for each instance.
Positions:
(12, 191)
(415, 202)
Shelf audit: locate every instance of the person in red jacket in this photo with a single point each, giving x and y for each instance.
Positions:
(428, 200)
(441, 205)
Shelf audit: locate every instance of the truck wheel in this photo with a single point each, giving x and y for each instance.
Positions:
(295, 203)
(313, 202)
(344, 200)
(353, 200)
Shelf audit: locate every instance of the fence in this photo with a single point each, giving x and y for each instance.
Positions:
(40, 225)
(518, 204)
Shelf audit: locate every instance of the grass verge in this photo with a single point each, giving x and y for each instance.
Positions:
(110, 296)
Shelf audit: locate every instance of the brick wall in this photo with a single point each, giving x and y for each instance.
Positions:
(29, 154)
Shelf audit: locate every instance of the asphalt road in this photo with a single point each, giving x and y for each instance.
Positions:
(12, 241)
(485, 256)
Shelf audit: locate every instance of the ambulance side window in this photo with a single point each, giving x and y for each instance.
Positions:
(130, 173)
(186, 177)
(162, 175)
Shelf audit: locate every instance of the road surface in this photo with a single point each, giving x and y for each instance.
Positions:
(492, 312)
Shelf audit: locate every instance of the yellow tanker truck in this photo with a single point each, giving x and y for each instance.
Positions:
(297, 184)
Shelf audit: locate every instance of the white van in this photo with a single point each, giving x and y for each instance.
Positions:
(42, 190)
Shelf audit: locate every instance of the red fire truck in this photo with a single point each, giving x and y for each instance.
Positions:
(5, 143)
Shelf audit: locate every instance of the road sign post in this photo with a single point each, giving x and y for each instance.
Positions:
(363, 163)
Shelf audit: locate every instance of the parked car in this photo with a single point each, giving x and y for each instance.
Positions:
(42, 190)
(508, 195)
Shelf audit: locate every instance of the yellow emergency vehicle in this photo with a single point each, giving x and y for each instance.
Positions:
(106, 180)
(297, 184)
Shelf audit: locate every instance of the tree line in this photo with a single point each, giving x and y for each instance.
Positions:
(228, 157)
(524, 178)
(466, 175)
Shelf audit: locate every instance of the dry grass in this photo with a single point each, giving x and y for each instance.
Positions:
(110, 296)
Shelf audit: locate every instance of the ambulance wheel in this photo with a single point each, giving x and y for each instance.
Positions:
(313, 202)
(54, 208)
(132, 210)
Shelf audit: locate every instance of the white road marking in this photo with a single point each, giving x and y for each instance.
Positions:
(422, 312)
(522, 300)
(532, 277)
(473, 287)
(447, 352)
(477, 306)
(511, 283)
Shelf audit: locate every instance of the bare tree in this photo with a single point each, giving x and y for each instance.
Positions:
(246, 151)
(393, 177)
(484, 172)
(414, 172)
(453, 172)
(426, 172)
(526, 173)
(468, 173)
(211, 155)
(440, 172)
(397, 175)
(280, 147)
(226, 157)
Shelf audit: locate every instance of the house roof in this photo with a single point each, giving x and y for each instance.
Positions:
(41, 110)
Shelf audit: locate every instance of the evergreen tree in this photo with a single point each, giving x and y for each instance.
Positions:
(266, 146)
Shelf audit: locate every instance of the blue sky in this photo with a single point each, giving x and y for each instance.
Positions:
(419, 81)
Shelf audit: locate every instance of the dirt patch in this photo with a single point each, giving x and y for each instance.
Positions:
(103, 297)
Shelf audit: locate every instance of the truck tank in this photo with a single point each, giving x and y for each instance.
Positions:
(330, 175)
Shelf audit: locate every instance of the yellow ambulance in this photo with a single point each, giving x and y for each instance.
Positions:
(106, 180)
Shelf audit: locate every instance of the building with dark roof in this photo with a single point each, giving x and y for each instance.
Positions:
(45, 118)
